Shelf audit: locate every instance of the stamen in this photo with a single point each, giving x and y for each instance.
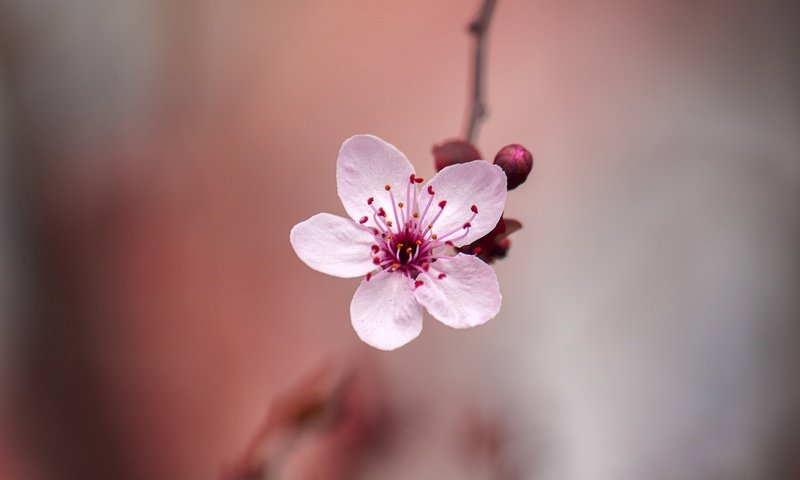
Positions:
(418, 241)
(395, 266)
(408, 201)
(434, 236)
(400, 204)
(387, 187)
(376, 260)
(419, 179)
(377, 215)
(389, 223)
(474, 208)
(363, 220)
(441, 276)
(394, 207)
(409, 250)
(438, 214)
(466, 226)
(375, 249)
(430, 201)
(381, 212)
(415, 215)
(378, 221)
(413, 257)
(451, 240)
(477, 250)
(412, 178)
(370, 200)
(430, 189)
(418, 283)
(369, 275)
(426, 266)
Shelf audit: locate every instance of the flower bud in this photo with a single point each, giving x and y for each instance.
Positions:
(454, 151)
(495, 244)
(517, 162)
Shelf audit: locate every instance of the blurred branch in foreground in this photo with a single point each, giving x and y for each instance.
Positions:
(321, 426)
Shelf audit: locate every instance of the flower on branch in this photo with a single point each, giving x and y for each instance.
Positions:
(400, 240)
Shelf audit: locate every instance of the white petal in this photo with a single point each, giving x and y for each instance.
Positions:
(466, 297)
(463, 185)
(365, 166)
(385, 313)
(333, 245)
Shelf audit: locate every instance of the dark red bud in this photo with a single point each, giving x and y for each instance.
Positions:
(454, 151)
(517, 162)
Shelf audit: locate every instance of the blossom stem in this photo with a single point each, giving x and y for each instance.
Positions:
(478, 28)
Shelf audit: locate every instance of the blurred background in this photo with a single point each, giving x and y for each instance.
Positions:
(155, 323)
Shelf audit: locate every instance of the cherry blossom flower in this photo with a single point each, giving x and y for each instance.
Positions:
(400, 239)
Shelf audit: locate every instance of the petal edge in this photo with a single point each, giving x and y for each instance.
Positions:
(333, 245)
(366, 164)
(468, 296)
(384, 312)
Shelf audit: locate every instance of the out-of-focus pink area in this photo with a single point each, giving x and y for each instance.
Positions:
(156, 154)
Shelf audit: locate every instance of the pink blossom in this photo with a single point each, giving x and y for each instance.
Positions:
(399, 239)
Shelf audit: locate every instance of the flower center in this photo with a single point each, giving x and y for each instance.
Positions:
(406, 239)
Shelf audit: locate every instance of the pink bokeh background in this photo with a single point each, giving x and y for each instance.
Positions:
(156, 156)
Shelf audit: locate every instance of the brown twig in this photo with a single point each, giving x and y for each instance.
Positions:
(478, 28)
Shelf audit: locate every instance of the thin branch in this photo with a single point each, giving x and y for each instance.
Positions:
(478, 28)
